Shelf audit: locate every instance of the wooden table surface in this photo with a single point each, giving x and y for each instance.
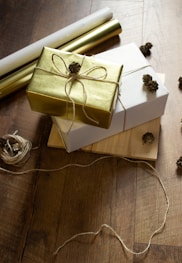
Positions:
(40, 210)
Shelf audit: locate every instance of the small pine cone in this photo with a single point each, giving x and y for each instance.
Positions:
(148, 138)
(145, 49)
(152, 85)
(179, 162)
(146, 79)
(180, 83)
(74, 67)
(148, 45)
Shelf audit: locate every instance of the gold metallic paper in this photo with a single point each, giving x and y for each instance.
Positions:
(85, 42)
(94, 99)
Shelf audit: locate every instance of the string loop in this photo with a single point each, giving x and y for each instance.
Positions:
(14, 149)
(103, 226)
(111, 229)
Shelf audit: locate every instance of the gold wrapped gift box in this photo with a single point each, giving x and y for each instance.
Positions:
(88, 95)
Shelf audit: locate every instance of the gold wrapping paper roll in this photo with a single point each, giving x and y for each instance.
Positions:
(54, 40)
(21, 77)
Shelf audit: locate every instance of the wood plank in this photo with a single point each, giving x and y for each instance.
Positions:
(159, 254)
(164, 57)
(72, 201)
(129, 13)
(38, 19)
(127, 144)
(17, 192)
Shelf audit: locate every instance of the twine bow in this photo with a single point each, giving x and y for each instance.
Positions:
(73, 75)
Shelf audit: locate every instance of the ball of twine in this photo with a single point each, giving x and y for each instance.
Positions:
(16, 149)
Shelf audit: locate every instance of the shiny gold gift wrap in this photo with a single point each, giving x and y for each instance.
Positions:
(21, 77)
(88, 95)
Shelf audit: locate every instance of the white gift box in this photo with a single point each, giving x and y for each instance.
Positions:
(136, 105)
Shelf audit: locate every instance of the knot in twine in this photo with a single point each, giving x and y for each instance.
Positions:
(14, 149)
(72, 75)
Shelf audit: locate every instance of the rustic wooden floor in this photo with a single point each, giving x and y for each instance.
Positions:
(39, 211)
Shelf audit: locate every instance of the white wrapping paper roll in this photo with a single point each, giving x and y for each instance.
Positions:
(31, 52)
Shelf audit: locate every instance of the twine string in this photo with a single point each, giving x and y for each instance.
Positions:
(119, 94)
(18, 156)
(67, 92)
(154, 173)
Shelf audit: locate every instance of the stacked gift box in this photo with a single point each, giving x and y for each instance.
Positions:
(91, 98)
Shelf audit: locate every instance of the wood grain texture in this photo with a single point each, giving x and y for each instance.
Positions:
(126, 144)
(40, 210)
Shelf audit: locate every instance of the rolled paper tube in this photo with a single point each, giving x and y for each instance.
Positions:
(68, 33)
(21, 77)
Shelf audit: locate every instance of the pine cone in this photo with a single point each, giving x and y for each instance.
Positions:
(148, 138)
(179, 162)
(152, 85)
(145, 49)
(180, 83)
(74, 67)
(146, 79)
